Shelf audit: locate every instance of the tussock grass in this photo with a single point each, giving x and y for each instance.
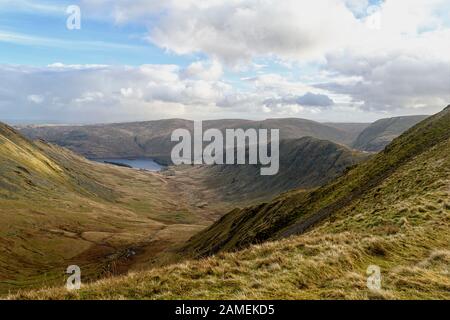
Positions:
(337, 272)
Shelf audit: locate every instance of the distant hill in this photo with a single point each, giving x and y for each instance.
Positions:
(351, 129)
(304, 163)
(152, 138)
(380, 133)
(391, 212)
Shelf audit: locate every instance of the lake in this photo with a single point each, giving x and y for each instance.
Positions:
(141, 163)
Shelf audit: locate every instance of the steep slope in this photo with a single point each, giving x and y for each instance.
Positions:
(401, 225)
(380, 133)
(304, 163)
(295, 213)
(353, 130)
(25, 166)
(57, 209)
(152, 138)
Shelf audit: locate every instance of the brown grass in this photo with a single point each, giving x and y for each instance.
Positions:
(410, 245)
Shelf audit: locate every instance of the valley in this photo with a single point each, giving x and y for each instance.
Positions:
(392, 211)
(58, 208)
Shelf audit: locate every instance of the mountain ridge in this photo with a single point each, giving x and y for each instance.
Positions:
(289, 215)
(152, 138)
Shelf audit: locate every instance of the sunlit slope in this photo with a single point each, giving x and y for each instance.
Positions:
(401, 225)
(27, 168)
(57, 209)
(295, 213)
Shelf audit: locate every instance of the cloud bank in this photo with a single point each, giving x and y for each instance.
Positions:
(101, 93)
(380, 58)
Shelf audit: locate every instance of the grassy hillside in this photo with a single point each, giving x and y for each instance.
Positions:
(396, 215)
(152, 138)
(380, 133)
(25, 166)
(57, 209)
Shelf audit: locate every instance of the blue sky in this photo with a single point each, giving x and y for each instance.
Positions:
(140, 60)
(124, 44)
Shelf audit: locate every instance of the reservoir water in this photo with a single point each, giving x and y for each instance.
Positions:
(141, 163)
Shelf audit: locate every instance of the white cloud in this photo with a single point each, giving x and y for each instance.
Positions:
(405, 65)
(205, 71)
(237, 31)
(35, 98)
(392, 81)
(89, 96)
(127, 92)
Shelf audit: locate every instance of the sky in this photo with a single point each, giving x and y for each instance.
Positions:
(135, 60)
